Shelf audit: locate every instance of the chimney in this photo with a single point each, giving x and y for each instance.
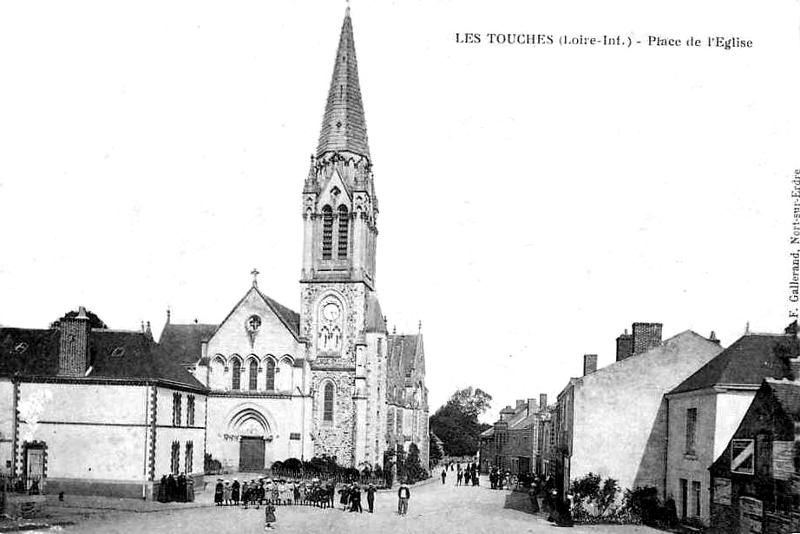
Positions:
(542, 401)
(521, 404)
(713, 338)
(624, 345)
(646, 336)
(589, 364)
(531, 406)
(203, 349)
(506, 412)
(73, 354)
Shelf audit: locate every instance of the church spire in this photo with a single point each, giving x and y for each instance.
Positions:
(344, 128)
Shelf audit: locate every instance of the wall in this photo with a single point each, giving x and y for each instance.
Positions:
(167, 432)
(282, 416)
(96, 436)
(618, 410)
(679, 463)
(6, 425)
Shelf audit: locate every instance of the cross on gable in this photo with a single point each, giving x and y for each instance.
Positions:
(255, 274)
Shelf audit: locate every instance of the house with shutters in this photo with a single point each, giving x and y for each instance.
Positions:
(96, 411)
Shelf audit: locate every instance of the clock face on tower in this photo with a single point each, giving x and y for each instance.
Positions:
(330, 311)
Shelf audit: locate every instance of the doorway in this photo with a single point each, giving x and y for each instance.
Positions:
(251, 453)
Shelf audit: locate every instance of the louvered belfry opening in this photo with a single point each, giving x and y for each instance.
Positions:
(344, 222)
(327, 233)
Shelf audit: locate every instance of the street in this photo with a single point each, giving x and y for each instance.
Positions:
(433, 508)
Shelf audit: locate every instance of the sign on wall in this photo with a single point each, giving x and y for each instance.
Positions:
(782, 460)
(742, 456)
(751, 513)
(722, 491)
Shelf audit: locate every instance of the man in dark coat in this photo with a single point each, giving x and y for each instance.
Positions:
(371, 496)
(355, 499)
(162, 489)
(403, 495)
(444, 474)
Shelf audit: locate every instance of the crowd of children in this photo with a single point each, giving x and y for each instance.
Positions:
(278, 492)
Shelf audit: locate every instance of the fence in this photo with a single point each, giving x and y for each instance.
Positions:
(338, 478)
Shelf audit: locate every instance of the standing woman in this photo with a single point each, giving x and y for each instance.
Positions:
(218, 492)
(226, 493)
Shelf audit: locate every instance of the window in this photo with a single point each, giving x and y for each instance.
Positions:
(270, 374)
(742, 456)
(691, 430)
(253, 382)
(327, 233)
(190, 410)
(176, 409)
(188, 460)
(327, 404)
(236, 374)
(174, 462)
(696, 498)
(344, 222)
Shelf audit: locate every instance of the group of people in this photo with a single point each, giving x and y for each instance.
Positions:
(350, 497)
(556, 508)
(468, 475)
(499, 479)
(176, 489)
(279, 492)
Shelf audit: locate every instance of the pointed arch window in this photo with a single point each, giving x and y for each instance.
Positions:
(253, 377)
(327, 403)
(236, 374)
(344, 222)
(270, 374)
(327, 233)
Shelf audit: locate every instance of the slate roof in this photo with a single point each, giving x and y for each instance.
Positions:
(403, 346)
(787, 393)
(183, 341)
(344, 127)
(375, 322)
(752, 358)
(113, 354)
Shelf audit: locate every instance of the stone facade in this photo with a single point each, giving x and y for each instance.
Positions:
(322, 381)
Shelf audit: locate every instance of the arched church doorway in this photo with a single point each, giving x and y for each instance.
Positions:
(255, 439)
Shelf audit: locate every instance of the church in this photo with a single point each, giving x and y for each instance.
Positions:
(328, 379)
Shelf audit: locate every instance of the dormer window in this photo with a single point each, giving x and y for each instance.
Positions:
(118, 352)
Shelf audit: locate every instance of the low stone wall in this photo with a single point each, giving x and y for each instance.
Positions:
(20, 505)
(105, 488)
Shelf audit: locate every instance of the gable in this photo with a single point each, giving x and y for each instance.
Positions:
(256, 325)
(327, 196)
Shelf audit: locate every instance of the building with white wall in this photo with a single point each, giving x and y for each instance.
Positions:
(96, 411)
(613, 421)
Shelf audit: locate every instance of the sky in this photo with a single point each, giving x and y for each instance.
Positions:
(536, 200)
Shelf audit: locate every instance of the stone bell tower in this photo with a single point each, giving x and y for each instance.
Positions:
(338, 272)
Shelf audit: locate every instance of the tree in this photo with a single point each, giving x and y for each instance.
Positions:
(413, 468)
(435, 450)
(94, 320)
(456, 423)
